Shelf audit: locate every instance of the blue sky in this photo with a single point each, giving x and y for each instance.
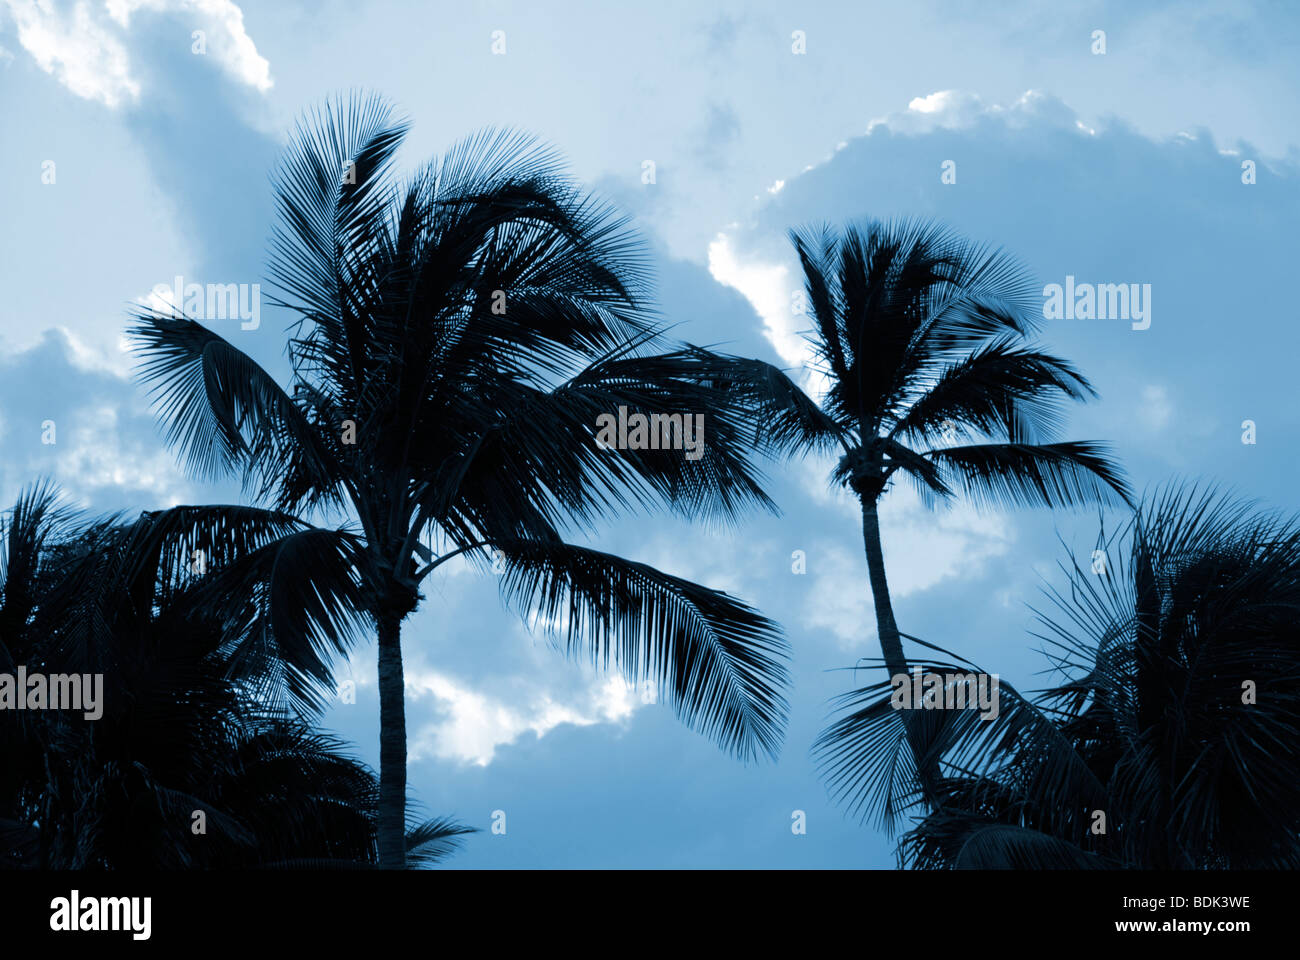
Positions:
(1122, 167)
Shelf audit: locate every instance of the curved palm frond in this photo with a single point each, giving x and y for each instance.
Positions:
(1000, 389)
(1071, 474)
(222, 410)
(719, 662)
(435, 840)
(289, 607)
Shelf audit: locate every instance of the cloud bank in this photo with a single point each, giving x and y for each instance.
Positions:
(88, 47)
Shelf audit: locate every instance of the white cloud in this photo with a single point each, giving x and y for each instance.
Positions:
(471, 724)
(961, 109)
(768, 287)
(223, 23)
(84, 46)
(771, 288)
(941, 101)
(78, 49)
(118, 362)
(97, 455)
(530, 689)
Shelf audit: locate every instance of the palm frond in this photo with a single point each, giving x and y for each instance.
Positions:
(869, 757)
(223, 411)
(435, 840)
(719, 663)
(1068, 474)
(1000, 389)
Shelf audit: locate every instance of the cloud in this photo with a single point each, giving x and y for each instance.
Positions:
(100, 454)
(85, 47)
(471, 724)
(86, 357)
(948, 104)
(85, 428)
(768, 287)
(77, 48)
(463, 706)
(222, 23)
(962, 110)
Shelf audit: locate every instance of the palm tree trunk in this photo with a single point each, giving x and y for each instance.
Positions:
(891, 644)
(392, 746)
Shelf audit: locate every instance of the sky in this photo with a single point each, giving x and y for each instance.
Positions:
(136, 140)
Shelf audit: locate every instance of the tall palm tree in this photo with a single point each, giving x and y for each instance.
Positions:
(458, 335)
(1175, 716)
(179, 729)
(925, 341)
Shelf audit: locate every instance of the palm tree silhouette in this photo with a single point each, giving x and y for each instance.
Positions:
(458, 336)
(925, 342)
(1174, 720)
(181, 732)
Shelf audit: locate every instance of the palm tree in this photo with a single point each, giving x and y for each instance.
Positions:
(458, 336)
(925, 341)
(180, 730)
(1175, 717)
